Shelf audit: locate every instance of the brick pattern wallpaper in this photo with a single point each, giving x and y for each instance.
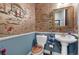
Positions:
(19, 25)
(42, 16)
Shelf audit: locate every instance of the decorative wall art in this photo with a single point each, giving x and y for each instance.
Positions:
(14, 14)
(14, 11)
(17, 10)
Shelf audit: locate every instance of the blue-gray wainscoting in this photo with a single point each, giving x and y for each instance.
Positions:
(22, 45)
(18, 45)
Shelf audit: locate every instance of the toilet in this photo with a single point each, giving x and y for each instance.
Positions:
(39, 48)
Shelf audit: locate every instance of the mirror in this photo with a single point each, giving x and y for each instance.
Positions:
(63, 19)
(60, 17)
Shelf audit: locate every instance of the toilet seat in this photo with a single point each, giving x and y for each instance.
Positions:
(37, 50)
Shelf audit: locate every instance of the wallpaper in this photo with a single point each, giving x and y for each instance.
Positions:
(16, 18)
(43, 20)
(42, 16)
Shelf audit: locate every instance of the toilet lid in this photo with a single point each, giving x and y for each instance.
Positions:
(36, 49)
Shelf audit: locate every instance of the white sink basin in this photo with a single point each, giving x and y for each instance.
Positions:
(65, 40)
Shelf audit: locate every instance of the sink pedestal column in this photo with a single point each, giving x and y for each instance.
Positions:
(64, 48)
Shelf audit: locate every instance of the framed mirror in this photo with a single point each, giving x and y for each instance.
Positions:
(63, 19)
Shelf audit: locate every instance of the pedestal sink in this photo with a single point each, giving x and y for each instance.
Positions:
(65, 40)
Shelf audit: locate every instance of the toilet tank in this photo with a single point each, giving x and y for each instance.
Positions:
(41, 39)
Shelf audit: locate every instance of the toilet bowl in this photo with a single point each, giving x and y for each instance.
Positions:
(39, 48)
